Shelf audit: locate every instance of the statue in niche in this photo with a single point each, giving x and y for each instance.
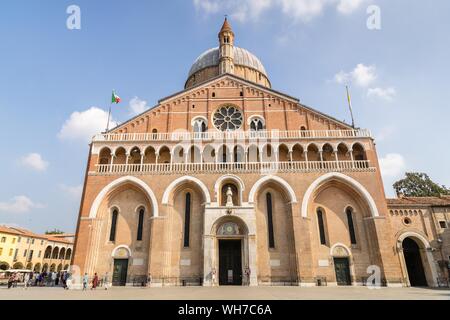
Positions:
(229, 197)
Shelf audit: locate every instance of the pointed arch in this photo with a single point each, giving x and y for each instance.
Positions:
(121, 181)
(287, 187)
(229, 177)
(123, 246)
(177, 182)
(342, 178)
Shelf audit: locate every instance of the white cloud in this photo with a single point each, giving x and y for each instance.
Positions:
(19, 204)
(385, 133)
(208, 6)
(84, 125)
(34, 161)
(349, 6)
(387, 94)
(299, 10)
(138, 106)
(304, 10)
(392, 165)
(72, 191)
(362, 76)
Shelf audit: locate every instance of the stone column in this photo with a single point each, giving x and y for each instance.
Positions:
(252, 251)
(208, 260)
(112, 162)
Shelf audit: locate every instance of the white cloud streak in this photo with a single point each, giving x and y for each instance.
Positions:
(387, 94)
(362, 76)
(298, 10)
(19, 204)
(138, 106)
(72, 191)
(84, 125)
(349, 6)
(392, 165)
(34, 161)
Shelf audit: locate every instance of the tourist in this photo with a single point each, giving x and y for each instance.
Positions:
(213, 276)
(149, 280)
(26, 280)
(53, 278)
(16, 280)
(85, 281)
(68, 281)
(10, 280)
(64, 279)
(105, 281)
(94, 282)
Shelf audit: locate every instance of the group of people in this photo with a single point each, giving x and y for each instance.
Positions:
(96, 282)
(39, 279)
(63, 279)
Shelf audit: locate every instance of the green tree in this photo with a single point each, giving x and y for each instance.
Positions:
(417, 184)
(54, 231)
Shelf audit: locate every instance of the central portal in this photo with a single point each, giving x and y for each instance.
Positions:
(230, 262)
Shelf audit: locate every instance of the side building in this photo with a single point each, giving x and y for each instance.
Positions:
(23, 249)
(421, 227)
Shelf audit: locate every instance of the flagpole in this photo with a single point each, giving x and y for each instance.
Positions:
(109, 113)
(109, 117)
(350, 107)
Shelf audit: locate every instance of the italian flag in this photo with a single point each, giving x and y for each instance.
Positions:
(115, 98)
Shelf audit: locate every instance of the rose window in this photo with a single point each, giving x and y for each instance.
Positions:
(228, 118)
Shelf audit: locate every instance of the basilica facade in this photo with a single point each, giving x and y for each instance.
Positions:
(230, 182)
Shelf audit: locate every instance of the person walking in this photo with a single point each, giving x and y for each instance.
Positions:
(64, 280)
(16, 280)
(26, 280)
(85, 281)
(94, 282)
(53, 278)
(149, 280)
(10, 280)
(68, 281)
(106, 281)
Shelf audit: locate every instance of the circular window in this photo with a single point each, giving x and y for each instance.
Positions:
(228, 118)
(407, 221)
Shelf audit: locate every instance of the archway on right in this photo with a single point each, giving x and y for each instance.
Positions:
(414, 263)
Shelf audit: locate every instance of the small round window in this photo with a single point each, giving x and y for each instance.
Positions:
(407, 221)
(228, 118)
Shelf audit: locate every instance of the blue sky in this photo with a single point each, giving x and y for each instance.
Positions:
(55, 81)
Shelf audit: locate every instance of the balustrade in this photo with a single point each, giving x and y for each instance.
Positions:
(233, 167)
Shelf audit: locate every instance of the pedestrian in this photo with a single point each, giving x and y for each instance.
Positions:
(106, 281)
(64, 280)
(10, 280)
(85, 281)
(94, 282)
(68, 281)
(26, 280)
(16, 280)
(53, 278)
(149, 280)
(58, 275)
(213, 276)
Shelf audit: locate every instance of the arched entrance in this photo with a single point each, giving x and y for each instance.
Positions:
(121, 257)
(4, 266)
(413, 261)
(230, 264)
(341, 261)
(230, 238)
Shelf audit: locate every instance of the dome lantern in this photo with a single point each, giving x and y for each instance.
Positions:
(227, 58)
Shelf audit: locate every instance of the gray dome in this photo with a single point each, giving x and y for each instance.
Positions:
(242, 57)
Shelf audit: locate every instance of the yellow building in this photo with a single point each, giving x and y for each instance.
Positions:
(23, 249)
